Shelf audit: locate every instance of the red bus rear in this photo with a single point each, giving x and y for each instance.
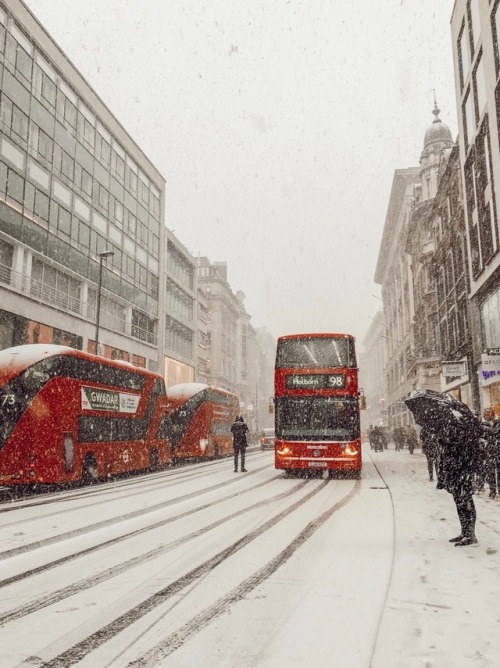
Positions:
(67, 415)
(199, 423)
(316, 398)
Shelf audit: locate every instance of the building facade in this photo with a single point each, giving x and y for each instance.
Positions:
(475, 29)
(373, 373)
(449, 284)
(424, 359)
(181, 313)
(81, 208)
(394, 274)
(234, 349)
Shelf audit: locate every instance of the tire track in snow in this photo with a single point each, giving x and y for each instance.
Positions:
(131, 534)
(113, 571)
(169, 645)
(81, 649)
(7, 554)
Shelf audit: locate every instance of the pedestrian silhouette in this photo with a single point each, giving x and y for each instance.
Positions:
(239, 431)
(459, 453)
(491, 440)
(410, 438)
(430, 448)
(459, 459)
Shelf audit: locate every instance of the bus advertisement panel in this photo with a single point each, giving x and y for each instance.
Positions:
(67, 415)
(316, 397)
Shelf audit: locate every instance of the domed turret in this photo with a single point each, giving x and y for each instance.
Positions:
(438, 131)
(437, 139)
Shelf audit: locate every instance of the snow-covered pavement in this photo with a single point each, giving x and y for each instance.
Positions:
(443, 604)
(201, 567)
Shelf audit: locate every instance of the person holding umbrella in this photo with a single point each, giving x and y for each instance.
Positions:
(458, 432)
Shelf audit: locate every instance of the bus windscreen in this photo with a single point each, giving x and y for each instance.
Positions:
(317, 418)
(316, 352)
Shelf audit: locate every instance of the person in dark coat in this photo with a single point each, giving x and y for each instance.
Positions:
(239, 431)
(430, 448)
(491, 439)
(410, 436)
(459, 457)
(398, 436)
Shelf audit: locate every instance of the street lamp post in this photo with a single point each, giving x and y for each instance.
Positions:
(102, 256)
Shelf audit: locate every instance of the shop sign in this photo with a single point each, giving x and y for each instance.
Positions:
(490, 368)
(454, 369)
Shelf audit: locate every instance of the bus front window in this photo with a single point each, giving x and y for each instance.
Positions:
(317, 419)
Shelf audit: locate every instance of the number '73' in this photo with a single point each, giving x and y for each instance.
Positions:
(7, 400)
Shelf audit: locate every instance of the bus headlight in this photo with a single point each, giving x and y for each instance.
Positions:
(283, 451)
(351, 450)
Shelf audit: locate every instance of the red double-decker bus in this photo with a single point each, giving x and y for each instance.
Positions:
(67, 415)
(199, 421)
(316, 403)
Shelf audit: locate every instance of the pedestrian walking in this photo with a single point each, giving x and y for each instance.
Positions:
(239, 431)
(491, 439)
(370, 436)
(410, 438)
(398, 437)
(430, 448)
(378, 439)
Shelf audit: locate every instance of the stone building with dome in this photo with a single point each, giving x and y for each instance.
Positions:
(424, 364)
(407, 275)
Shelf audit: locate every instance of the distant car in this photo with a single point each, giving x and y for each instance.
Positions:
(267, 439)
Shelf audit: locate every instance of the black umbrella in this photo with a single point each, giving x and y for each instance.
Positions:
(440, 411)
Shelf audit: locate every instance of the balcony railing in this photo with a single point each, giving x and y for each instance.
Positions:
(46, 294)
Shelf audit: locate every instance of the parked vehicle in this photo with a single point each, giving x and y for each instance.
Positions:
(67, 415)
(267, 439)
(199, 421)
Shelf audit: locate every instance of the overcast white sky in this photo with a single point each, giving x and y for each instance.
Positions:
(278, 125)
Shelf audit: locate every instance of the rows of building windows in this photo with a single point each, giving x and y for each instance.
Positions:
(140, 229)
(180, 267)
(53, 286)
(178, 337)
(73, 228)
(34, 72)
(178, 302)
(66, 190)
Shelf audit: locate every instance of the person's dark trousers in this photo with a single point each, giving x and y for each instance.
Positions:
(466, 513)
(236, 453)
(243, 458)
(492, 476)
(430, 467)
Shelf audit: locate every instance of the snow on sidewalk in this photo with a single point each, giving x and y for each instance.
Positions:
(443, 603)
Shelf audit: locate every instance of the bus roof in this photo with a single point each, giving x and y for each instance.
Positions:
(21, 357)
(321, 335)
(18, 358)
(188, 390)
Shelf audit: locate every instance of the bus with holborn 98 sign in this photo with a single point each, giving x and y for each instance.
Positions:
(317, 404)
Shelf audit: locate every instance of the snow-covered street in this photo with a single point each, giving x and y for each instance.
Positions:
(199, 566)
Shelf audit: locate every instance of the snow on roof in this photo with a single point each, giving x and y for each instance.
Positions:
(25, 356)
(185, 390)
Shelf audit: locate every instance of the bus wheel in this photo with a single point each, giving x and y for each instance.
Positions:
(89, 470)
(153, 460)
